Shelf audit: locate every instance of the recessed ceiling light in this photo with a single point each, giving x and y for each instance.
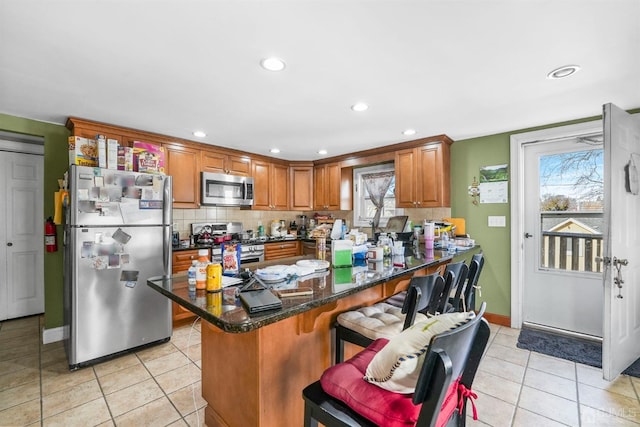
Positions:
(274, 150)
(199, 134)
(359, 106)
(409, 132)
(272, 64)
(562, 72)
(322, 152)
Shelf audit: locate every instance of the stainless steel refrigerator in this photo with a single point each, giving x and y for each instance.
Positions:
(117, 234)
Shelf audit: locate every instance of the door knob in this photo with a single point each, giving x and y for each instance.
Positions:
(528, 235)
(10, 244)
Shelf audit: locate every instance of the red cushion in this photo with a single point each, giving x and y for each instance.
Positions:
(345, 382)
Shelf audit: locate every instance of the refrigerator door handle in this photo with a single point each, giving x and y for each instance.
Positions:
(167, 230)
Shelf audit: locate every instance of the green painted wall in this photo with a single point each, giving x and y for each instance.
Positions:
(56, 160)
(467, 157)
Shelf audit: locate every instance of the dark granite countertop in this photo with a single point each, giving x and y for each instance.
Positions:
(224, 309)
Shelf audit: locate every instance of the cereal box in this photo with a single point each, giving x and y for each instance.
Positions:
(83, 151)
(102, 151)
(112, 154)
(148, 158)
(125, 158)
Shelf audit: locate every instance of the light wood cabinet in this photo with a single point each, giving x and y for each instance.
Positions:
(181, 260)
(422, 176)
(270, 185)
(218, 162)
(283, 249)
(326, 185)
(183, 164)
(301, 187)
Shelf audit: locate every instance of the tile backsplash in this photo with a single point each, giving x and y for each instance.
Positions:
(182, 218)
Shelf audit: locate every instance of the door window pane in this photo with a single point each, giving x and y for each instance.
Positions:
(571, 192)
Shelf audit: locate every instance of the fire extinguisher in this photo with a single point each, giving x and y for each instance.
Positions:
(50, 236)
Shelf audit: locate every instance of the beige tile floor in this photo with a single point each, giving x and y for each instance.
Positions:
(158, 386)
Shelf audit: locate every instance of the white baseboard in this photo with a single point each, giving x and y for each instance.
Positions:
(52, 335)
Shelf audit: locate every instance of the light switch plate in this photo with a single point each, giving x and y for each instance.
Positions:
(497, 221)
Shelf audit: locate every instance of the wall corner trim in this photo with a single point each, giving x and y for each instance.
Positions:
(52, 335)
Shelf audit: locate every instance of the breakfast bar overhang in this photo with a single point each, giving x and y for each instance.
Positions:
(255, 367)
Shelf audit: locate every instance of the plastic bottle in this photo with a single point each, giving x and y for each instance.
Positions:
(260, 229)
(444, 241)
(191, 275)
(201, 269)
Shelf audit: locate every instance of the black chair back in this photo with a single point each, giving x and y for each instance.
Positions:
(451, 355)
(423, 296)
(460, 272)
(475, 268)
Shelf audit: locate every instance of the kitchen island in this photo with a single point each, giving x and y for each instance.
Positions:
(254, 367)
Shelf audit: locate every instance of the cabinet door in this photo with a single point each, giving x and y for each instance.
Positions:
(238, 165)
(279, 187)
(301, 187)
(319, 184)
(183, 164)
(332, 189)
(405, 178)
(429, 176)
(261, 183)
(213, 161)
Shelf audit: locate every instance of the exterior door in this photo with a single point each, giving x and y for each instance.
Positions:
(21, 235)
(563, 225)
(621, 344)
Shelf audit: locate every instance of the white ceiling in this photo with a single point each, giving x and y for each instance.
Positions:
(465, 68)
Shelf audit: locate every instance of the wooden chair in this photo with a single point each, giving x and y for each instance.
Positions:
(423, 296)
(451, 355)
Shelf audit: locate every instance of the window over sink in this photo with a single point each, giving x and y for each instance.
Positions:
(364, 208)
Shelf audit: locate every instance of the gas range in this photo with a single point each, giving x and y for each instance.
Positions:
(210, 233)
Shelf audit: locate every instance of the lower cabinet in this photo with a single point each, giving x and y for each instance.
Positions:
(284, 249)
(181, 260)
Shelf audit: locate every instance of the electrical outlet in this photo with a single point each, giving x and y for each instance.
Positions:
(497, 221)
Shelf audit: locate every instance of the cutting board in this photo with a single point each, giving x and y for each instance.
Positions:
(459, 223)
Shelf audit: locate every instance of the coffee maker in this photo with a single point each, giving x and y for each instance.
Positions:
(302, 226)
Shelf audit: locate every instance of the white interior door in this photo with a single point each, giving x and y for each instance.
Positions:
(563, 225)
(621, 343)
(21, 235)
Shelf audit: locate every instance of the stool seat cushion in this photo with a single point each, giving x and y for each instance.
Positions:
(345, 382)
(397, 366)
(380, 320)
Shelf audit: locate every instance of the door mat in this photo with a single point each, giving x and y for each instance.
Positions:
(569, 348)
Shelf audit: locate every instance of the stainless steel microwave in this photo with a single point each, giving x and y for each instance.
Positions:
(219, 189)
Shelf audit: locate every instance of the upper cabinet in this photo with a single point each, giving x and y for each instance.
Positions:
(270, 185)
(301, 186)
(216, 161)
(422, 171)
(422, 176)
(327, 181)
(183, 164)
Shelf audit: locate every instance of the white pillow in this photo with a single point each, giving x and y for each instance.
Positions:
(397, 366)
